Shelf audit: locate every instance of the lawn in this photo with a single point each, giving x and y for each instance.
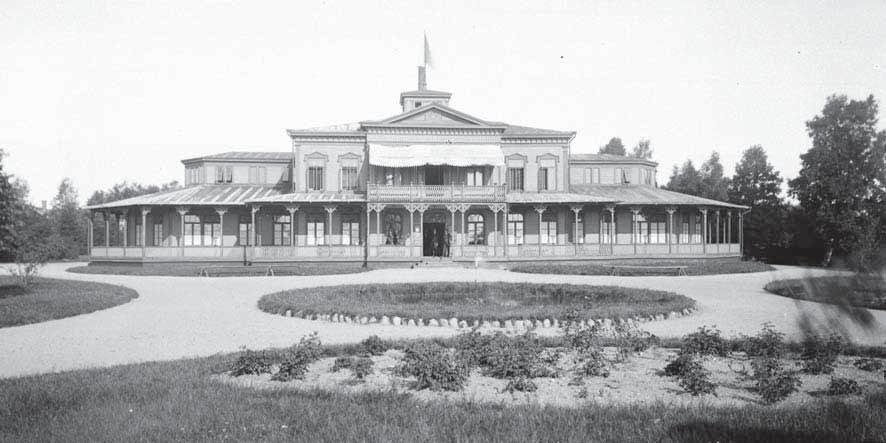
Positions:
(862, 291)
(191, 270)
(477, 301)
(47, 299)
(693, 267)
(179, 401)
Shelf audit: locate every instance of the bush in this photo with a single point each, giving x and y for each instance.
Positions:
(768, 343)
(296, 359)
(819, 355)
(373, 345)
(359, 366)
(843, 386)
(253, 362)
(773, 382)
(680, 365)
(705, 341)
(593, 365)
(581, 338)
(521, 384)
(434, 367)
(502, 356)
(695, 379)
(868, 364)
(629, 339)
(343, 363)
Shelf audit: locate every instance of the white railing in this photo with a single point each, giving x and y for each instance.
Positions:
(435, 193)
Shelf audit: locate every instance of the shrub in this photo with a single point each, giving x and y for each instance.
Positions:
(253, 362)
(343, 363)
(521, 384)
(843, 386)
(868, 364)
(434, 367)
(705, 341)
(373, 345)
(629, 339)
(680, 365)
(819, 354)
(773, 382)
(502, 356)
(695, 379)
(767, 343)
(593, 365)
(581, 338)
(296, 359)
(359, 366)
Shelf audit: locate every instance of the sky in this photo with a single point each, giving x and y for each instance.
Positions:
(103, 92)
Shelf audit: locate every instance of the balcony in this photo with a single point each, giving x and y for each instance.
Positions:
(435, 194)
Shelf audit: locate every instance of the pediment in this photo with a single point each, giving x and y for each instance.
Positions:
(433, 115)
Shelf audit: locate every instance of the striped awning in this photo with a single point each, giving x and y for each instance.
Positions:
(442, 154)
(219, 195)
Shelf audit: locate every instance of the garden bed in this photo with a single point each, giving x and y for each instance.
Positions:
(230, 270)
(477, 302)
(48, 299)
(862, 291)
(635, 267)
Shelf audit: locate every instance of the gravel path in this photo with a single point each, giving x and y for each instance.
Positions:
(179, 317)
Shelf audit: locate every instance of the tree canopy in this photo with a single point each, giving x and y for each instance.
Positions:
(757, 184)
(613, 147)
(126, 190)
(642, 150)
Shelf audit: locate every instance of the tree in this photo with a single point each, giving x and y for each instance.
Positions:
(125, 190)
(68, 220)
(840, 184)
(757, 184)
(686, 179)
(713, 184)
(642, 150)
(8, 207)
(614, 147)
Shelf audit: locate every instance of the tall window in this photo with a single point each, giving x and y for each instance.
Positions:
(607, 229)
(229, 174)
(595, 175)
(258, 174)
(684, 230)
(191, 234)
(548, 229)
(244, 232)
(316, 231)
(348, 178)
(211, 231)
(658, 230)
(580, 228)
(475, 177)
(138, 231)
(545, 179)
(158, 232)
(641, 229)
(224, 174)
(515, 179)
(515, 229)
(350, 230)
(315, 178)
(696, 237)
(281, 230)
(476, 228)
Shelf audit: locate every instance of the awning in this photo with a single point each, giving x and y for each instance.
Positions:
(443, 154)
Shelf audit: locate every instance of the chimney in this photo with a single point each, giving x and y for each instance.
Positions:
(422, 79)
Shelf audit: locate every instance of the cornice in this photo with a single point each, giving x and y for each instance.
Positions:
(440, 130)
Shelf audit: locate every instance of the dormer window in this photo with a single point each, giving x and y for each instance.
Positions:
(417, 104)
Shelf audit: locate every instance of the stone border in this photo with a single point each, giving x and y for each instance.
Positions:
(455, 323)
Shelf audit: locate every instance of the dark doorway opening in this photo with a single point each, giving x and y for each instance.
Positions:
(435, 242)
(433, 175)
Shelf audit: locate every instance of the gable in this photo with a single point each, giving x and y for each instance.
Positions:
(432, 116)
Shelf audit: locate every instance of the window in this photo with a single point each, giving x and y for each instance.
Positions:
(544, 179)
(348, 179)
(646, 176)
(595, 175)
(515, 179)
(219, 174)
(548, 229)
(684, 231)
(158, 233)
(658, 230)
(350, 230)
(138, 231)
(211, 231)
(475, 177)
(191, 234)
(640, 229)
(229, 174)
(417, 104)
(281, 230)
(476, 228)
(696, 238)
(580, 228)
(315, 178)
(618, 177)
(515, 229)
(316, 231)
(389, 176)
(607, 232)
(258, 174)
(244, 231)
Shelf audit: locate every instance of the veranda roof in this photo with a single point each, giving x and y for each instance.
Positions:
(555, 197)
(313, 197)
(647, 195)
(222, 194)
(443, 154)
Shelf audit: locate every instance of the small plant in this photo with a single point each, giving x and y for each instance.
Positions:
(843, 386)
(868, 364)
(434, 367)
(252, 362)
(695, 379)
(767, 343)
(521, 384)
(359, 366)
(705, 341)
(819, 354)
(679, 366)
(343, 363)
(373, 345)
(296, 359)
(593, 365)
(773, 382)
(506, 357)
(629, 340)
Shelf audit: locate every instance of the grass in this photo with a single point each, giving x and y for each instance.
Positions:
(47, 299)
(476, 301)
(693, 267)
(177, 401)
(234, 269)
(862, 291)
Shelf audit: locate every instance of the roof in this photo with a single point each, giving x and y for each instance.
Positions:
(244, 156)
(608, 158)
(341, 127)
(528, 130)
(555, 197)
(313, 197)
(199, 195)
(626, 195)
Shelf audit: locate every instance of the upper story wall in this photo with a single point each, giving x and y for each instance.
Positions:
(244, 173)
(609, 171)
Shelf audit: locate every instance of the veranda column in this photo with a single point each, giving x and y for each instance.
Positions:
(328, 234)
(292, 209)
(90, 237)
(496, 209)
(719, 227)
(145, 212)
(670, 212)
(729, 229)
(505, 221)
(576, 209)
(221, 226)
(107, 217)
(463, 240)
(125, 229)
(182, 210)
(612, 229)
(540, 209)
(252, 235)
(411, 208)
(635, 212)
(704, 230)
(421, 224)
(452, 208)
(741, 234)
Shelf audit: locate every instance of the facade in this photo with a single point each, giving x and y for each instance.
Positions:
(430, 181)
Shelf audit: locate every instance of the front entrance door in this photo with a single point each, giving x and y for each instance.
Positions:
(434, 243)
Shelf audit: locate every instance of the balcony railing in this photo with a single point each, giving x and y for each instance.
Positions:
(435, 193)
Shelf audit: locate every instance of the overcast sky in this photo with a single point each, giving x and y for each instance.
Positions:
(109, 91)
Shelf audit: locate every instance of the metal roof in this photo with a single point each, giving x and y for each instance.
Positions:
(647, 195)
(244, 156)
(555, 198)
(313, 197)
(208, 195)
(609, 158)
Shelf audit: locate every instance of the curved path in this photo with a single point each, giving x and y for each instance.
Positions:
(179, 317)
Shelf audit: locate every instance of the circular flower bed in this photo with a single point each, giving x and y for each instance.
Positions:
(471, 304)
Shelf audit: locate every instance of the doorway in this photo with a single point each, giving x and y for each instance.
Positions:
(435, 243)
(433, 175)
